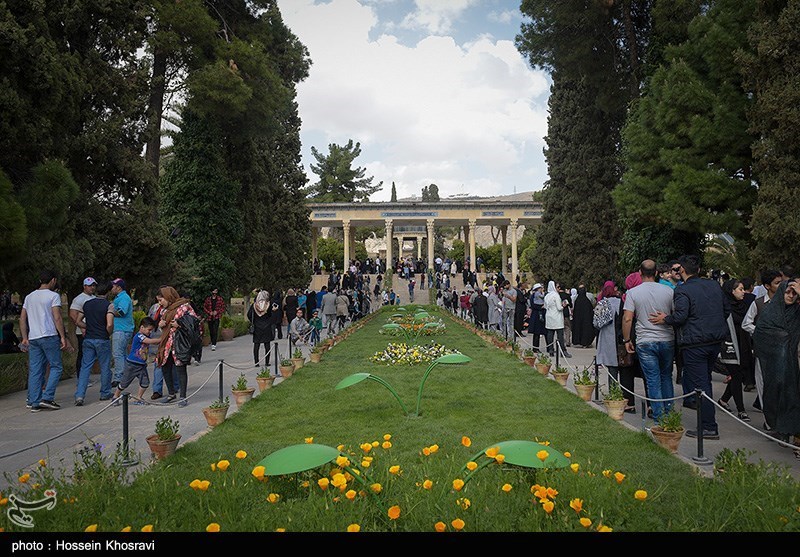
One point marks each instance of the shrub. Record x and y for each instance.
(241, 383)
(167, 428)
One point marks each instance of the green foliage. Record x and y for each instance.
(429, 193)
(770, 67)
(393, 199)
(338, 181)
(167, 428)
(331, 249)
(15, 230)
(219, 403)
(225, 321)
(138, 315)
(614, 392)
(660, 243)
(241, 326)
(287, 362)
(732, 258)
(584, 377)
(241, 383)
(671, 421)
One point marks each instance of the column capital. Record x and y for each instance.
(514, 223)
(346, 222)
(472, 223)
(430, 223)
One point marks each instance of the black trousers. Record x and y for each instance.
(213, 329)
(183, 378)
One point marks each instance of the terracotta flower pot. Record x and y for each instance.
(264, 383)
(544, 369)
(227, 333)
(315, 357)
(286, 371)
(215, 416)
(561, 378)
(667, 439)
(615, 408)
(585, 391)
(162, 449)
(243, 396)
(530, 360)
(298, 363)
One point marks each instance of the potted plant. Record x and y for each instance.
(215, 413)
(297, 359)
(561, 374)
(226, 330)
(165, 440)
(316, 354)
(264, 380)
(241, 392)
(287, 368)
(584, 383)
(614, 401)
(669, 430)
(529, 356)
(543, 364)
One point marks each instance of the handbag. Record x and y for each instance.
(624, 358)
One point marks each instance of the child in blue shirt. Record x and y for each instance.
(136, 361)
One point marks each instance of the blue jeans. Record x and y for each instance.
(95, 350)
(698, 361)
(43, 351)
(656, 361)
(119, 348)
(158, 381)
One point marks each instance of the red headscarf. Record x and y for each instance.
(632, 281)
(609, 290)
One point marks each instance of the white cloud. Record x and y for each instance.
(436, 16)
(470, 118)
(506, 16)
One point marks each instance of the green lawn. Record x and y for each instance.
(492, 399)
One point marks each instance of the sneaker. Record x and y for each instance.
(114, 384)
(196, 363)
(155, 396)
(724, 405)
(117, 401)
(183, 402)
(743, 416)
(49, 404)
(567, 355)
(707, 433)
(78, 402)
(35, 409)
(103, 398)
(28, 405)
(170, 398)
(213, 347)
(138, 402)
(90, 384)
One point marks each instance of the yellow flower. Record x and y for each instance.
(213, 467)
(126, 529)
(387, 437)
(466, 441)
(354, 528)
(548, 506)
(427, 484)
(375, 444)
(551, 493)
(567, 454)
(340, 448)
(342, 461)
(309, 440)
(585, 522)
(426, 451)
(458, 483)
(434, 448)
(273, 497)
(464, 503)
(387, 445)
(223, 465)
(366, 447)
(507, 487)
(376, 488)
(542, 455)
(457, 524)
(334, 471)
(606, 473)
(42, 463)
(3, 501)
(471, 465)
(339, 480)
(604, 528)
(395, 469)
(241, 454)
(258, 472)
(619, 476)
(147, 528)
(351, 494)
(540, 492)
(91, 528)
(501, 458)
(492, 452)
(23, 479)
(576, 504)
(280, 529)
(575, 467)
(195, 484)
(640, 494)
(440, 526)
(213, 527)
(36, 486)
(394, 512)
(203, 485)
(365, 463)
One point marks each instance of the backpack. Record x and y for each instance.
(602, 314)
(187, 340)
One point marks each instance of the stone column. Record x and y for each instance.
(346, 229)
(353, 242)
(314, 238)
(472, 259)
(431, 255)
(419, 247)
(389, 240)
(400, 247)
(504, 248)
(514, 262)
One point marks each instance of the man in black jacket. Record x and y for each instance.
(700, 316)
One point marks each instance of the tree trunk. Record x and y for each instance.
(633, 49)
(154, 110)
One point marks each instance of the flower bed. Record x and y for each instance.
(401, 353)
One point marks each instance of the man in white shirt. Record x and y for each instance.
(44, 338)
(75, 311)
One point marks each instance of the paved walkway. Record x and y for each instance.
(22, 429)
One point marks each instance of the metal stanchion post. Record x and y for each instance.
(596, 379)
(700, 458)
(128, 461)
(219, 369)
(558, 349)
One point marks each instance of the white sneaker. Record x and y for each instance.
(213, 347)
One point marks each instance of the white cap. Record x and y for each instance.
(537, 285)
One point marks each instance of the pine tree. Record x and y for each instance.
(338, 181)
(394, 193)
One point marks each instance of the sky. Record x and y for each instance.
(433, 90)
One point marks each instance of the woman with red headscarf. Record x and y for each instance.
(175, 307)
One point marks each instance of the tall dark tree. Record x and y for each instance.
(772, 70)
(393, 199)
(338, 180)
